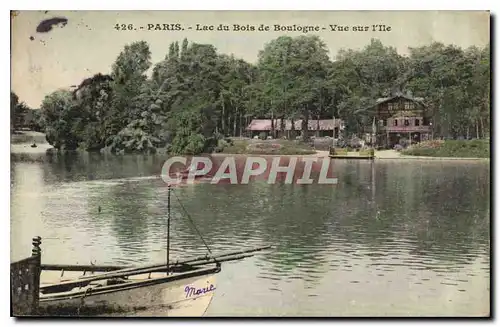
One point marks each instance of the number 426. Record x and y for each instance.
(124, 27)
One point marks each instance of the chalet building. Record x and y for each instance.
(319, 128)
(400, 117)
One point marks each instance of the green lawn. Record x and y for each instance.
(279, 147)
(451, 148)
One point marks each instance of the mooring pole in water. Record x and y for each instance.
(168, 229)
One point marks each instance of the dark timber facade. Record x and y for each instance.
(400, 117)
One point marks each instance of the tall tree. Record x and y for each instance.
(293, 72)
(362, 76)
(14, 103)
(61, 118)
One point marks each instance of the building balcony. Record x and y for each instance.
(404, 125)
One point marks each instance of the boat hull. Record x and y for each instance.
(143, 296)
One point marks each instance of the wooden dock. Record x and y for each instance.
(344, 154)
(352, 157)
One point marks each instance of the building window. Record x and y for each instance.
(426, 121)
(412, 106)
(381, 122)
(395, 122)
(407, 105)
(407, 122)
(396, 106)
(417, 122)
(389, 106)
(385, 122)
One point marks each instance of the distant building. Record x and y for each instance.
(400, 117)
(319, 128)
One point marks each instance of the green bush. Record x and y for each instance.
(450, 148)
(221, 145)
(292, 151)
(235, 147)
(283, 147)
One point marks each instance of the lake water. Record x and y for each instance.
(392, 238)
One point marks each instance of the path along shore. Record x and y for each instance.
(42, 146)
(379, 155)
(393, 154)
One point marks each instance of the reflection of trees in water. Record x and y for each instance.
(134, 214)
(426, 210)
(63, 167)
(137, 213)
(219, 211)
(307, 223)
(456, 212)
(76, 166)
(296, 228)
(128, 204)
(73, 166)
(440, 207)
(433, 210)
(236, 216)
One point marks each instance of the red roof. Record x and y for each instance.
(265, 124)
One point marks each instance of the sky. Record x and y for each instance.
(88, 44)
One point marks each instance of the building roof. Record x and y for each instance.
(407, 97)
(265, 124)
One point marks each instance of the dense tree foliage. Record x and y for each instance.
(293, 78)
(18, 112)
(195, 97)
(456, 85)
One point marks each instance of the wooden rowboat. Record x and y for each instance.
(180, 288)
(146, 294)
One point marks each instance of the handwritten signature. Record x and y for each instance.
(191, 291)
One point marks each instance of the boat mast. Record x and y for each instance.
(168, 229)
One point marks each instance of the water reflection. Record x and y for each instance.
(27, 218)
(398, 231)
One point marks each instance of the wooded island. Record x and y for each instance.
(196, 98)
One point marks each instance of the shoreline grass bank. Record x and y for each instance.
(460, 149)
(267, 147)
(430, 150)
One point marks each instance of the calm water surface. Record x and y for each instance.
(392, 238)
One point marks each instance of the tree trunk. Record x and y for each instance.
(272, 124)
(246, 124)
(317, 126)
(305, 125)
(283, 126)
(240, 126)
(482, 127)
(223, 127)
(477, 130)
(234, 121)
